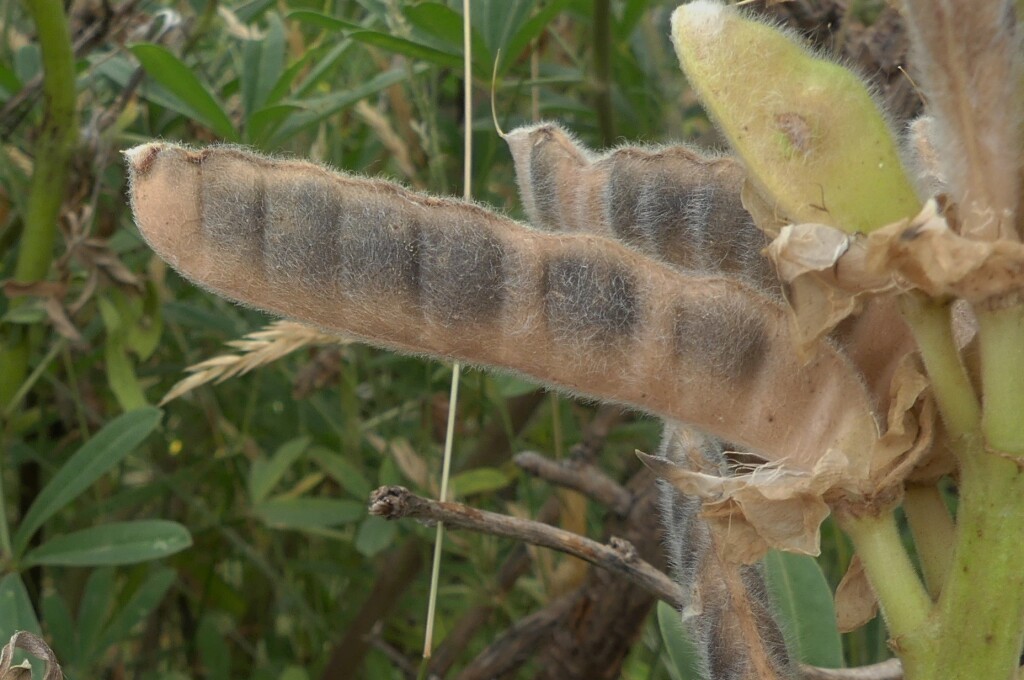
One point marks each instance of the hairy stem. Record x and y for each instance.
(934, 533)
(54, 148)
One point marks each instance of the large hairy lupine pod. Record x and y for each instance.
(442, 277)
(670, 202)
(729, 612)
(684, 208)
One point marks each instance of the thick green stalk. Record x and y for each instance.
(982, 606)
(1001, 339)
(55, 145)
(982, 603)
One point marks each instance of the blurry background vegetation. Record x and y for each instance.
(228, 538)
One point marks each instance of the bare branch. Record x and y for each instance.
(582, 477)
(395, 502)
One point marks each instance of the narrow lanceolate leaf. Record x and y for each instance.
(807, 129)
(181, 81)
(443, 277)
(309, 513)
(114, 543)
(805, 607)
(106, 449)
(16, 612)
(681, 652)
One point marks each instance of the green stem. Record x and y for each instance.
(934, 533)
(56, 143)
(982, 603)
(930, 323)
(1001, 340)
(904, 602)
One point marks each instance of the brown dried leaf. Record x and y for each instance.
(34, 645)
(42, 289)
(912, 417)
(412, 465)
(925, 253)
(922, 253)
(61, 322)
(856, 602)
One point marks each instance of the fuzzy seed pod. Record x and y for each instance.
(447, 278)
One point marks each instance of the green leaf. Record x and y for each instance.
(323, 21)
(413, 50)
(479, 480)
(309, 513)
(805, 607)
(93, 609)
(529, 30)
(321, 66)
(121, 377)
(213, 650)
(684, 663)
(107, 448)
(137, 609)
(375, 534)
(193, 98)
(343, 471)
(265, 474)
(16, 611)
(263, 122)
(263, 63)
(444, 26)
(9, 83)
(60, 628)
(142, 335)
(316, 110)
(114, 543)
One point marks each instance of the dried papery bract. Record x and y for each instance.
(442, 277)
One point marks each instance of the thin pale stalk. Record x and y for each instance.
(49, 176)
(467, 188)
(934, 533)
(904, 602)
(958, 404)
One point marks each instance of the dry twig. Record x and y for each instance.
(578, 476)
(395, 502)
